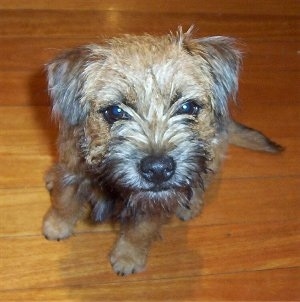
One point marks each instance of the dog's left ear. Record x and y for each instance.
(67, 75)
(223, 59)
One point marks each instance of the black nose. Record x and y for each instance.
(157, 169)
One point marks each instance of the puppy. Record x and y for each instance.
(143, 126)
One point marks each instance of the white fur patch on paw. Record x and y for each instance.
(54, 228)
(127, 259)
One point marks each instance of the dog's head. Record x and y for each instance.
(150, 108)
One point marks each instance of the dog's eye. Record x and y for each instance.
(189, 107)
(115, 113)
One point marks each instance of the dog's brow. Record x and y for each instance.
(175, 98)
(124, 100)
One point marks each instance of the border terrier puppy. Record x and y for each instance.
(143, 125)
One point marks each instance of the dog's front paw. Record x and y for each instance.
(55, 228)
(127, 259)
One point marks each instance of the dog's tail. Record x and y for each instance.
(249, 138)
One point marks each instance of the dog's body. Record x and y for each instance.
(144, 124)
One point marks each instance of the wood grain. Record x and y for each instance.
(244, 248)
(268, 285)
(256, 7)
(223, 205)
(34, 23)
(245, 244)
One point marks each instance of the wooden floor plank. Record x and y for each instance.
(227, 201)
(275, 117)
(23, 88)
(55, 24)
(33, 262)
(256, 7)
(271, 285)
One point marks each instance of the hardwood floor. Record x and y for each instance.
(246, 243)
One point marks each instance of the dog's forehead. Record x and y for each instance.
(151, 57)
(150, 71)
(143, 50)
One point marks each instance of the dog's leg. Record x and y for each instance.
(131, 250)
(66, 206)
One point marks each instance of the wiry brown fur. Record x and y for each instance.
(144, 124)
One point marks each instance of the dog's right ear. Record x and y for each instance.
(66, 83)
(223, 60)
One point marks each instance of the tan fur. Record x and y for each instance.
(246, 137)
(131, 250)
(144, 125)
(60, 219)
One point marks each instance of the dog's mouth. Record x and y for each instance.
(162, 200)
(159, 188)
(163, 191)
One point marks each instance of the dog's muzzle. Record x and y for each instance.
(157, 169)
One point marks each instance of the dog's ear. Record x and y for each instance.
(66, 82)
(223, 59)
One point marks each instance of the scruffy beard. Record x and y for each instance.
(119, 176)
(157, 203)
(128, 203)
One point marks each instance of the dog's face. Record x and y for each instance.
(150, 109)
